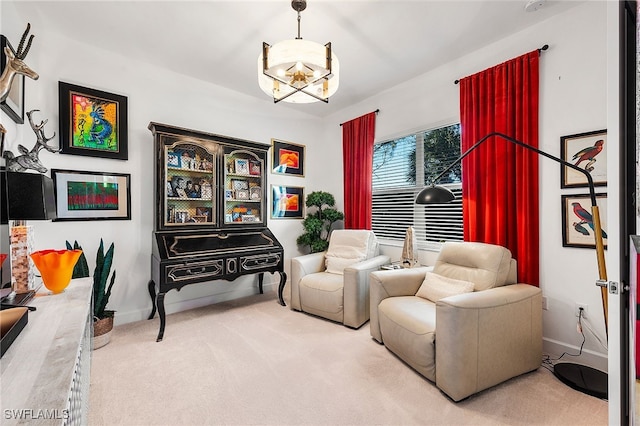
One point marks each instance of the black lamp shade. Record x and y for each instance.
(435, 195)
(27, 196)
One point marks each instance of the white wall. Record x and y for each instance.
(573, 95)
(153, 95)
(573, 100)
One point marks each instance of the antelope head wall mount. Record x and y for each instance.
(15, 65)
(30, 158)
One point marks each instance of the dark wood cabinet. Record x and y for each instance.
(210, 213)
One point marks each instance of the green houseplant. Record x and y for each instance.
(102, 317)
(321, 215)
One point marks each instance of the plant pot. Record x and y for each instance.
(102, 332)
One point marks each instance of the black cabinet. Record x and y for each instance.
(210, 213)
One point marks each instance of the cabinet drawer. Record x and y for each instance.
(259, 261)
(195, 270)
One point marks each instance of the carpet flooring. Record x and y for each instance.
(251, 361)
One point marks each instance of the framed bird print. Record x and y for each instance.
(577, 221)
(587, 151)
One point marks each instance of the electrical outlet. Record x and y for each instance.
(585, 309)
(545, 303)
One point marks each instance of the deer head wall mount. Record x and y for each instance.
(15, 65)
(30, 159)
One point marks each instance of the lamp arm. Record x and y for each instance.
(595, 212)
(592, 192)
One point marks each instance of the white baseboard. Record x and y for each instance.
(593, 359)
(234, 292)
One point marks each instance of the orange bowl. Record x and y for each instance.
(56, 267)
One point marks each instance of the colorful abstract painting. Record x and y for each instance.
(288, 202)
(92, 196)
(287, 158)
(94, 123)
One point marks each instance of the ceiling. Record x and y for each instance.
(379, 43)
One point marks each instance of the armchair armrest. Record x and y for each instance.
(301, 266)
(356, 289)
(391, 283)
(484, 338)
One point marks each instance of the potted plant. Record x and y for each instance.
(321, 215)
(102, 317)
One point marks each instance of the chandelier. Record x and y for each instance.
(298, 71)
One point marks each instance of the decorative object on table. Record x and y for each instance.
(587, 151)
(577, 221)
(287, 202)
(21, 243)
(86, 195)
(102, 317)
(298, 71)
(317, 225)
(29, 159)
(56, 267)
(569, 373)
(287, 158)
(92, 122)
(11, 65)
(39, 205)
(410, 249)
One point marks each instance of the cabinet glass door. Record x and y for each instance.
(190, 198)
(243, 188)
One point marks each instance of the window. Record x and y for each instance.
(398, 177)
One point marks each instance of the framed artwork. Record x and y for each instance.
(93, 123)
(255, 193)
(242, 166)
(84, 195)
(287, 202)
(587, 151)
(237, 184)
(242, 194)
(287, 158)
(254, 167)
(577, 222)
(13, 106)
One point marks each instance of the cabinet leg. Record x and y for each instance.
(160, 303)
(283, 280)
(152, 293)
(260, 279)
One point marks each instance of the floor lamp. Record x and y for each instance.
(580, 377)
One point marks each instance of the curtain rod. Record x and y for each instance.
(376, 111)
(545, 47)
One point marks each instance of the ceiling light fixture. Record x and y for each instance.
(298, 71)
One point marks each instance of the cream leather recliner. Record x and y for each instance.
(463, 324)
(335, 284)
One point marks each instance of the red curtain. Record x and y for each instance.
(500, 178)
(357, 155)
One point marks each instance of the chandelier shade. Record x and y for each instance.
(297, 70)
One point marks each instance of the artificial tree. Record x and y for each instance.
(321, 215)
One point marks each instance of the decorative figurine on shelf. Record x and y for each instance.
(30, 159)
(15, 65)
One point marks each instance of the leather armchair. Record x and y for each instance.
(335, 284)
(467, 342)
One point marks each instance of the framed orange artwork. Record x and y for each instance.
(287, 158)
(287, 202)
